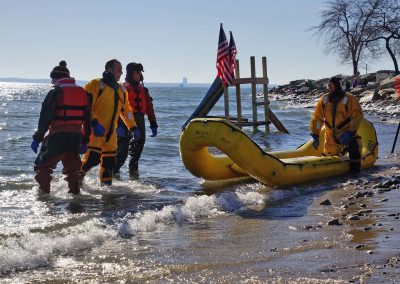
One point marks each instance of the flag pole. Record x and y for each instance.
(395, 138)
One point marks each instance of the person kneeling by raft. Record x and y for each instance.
(341, 114)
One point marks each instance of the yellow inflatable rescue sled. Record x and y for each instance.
(243, 157)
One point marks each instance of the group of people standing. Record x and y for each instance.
(104, 121)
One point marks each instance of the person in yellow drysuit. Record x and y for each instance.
(110, 101)
(341, 114)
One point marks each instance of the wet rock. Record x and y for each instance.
(359, 246)
(363, 205)
(334, 222)
(363, 212)
(363, 194)
(370, 252)
(328, 270)
(353, 217)
(326, 202)
(383, 200)
(345, 206)
(367, 229)
(382, 190)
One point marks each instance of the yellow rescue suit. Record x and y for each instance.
(106, 109)
(348, 116)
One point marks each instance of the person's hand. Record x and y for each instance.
(315, 142)
(34, 146)
(136, 133)
(98, 130)
(153, 131)
(346, 137)
(83, 149)
(120, 132)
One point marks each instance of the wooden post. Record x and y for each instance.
(238, 96)
(226, 102)
(253, 92)
(265, 91)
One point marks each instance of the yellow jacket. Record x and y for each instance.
(348, 116)
(103, 104)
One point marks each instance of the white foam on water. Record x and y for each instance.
(37, 249)
(194, 208)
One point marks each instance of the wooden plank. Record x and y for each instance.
(250, 123)
(253, 91)
(265, 91)
(250, 81)
(226, 102)
(238, 94)
(277, 122)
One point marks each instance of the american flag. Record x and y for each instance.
(232, 54)
(223, 61)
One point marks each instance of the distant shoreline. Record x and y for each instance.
(147, 84)
(82, 82)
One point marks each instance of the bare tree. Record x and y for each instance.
(385, 26)
(343, 28)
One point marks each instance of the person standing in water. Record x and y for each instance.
(142, 104)
(65, 115)
(110, 101)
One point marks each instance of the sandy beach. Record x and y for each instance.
(365, 209)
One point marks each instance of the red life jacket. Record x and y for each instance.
(70, 106)
(138, 101)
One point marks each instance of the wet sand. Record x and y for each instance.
(364, 212)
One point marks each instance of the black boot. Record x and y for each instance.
(133, 169)
(355, 168)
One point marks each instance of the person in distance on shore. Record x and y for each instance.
(142, 104)
(110, 101)
(65, 114)
(341, 114)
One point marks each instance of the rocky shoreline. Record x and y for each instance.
(366, 208)
(376, 93)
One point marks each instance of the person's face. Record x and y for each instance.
(136, 75)
(331, 87)
(116, 71)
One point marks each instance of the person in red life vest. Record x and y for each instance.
(65, 115)
(142, 104)
(110, 102)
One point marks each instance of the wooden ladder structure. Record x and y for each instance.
(269, 116)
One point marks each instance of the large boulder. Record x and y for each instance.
(388, 83)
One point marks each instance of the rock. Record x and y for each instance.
(334, 222)
(388, 83)
(359, 246)
(383, 200)
(326, 202)
(353, 217)
(363, 212)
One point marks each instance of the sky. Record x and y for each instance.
(171, 38)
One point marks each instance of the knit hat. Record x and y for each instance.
(60, 71)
